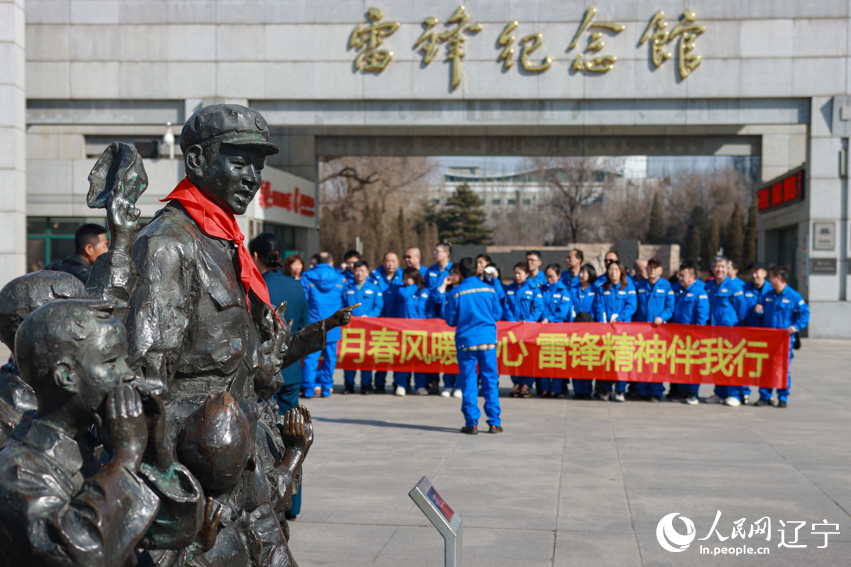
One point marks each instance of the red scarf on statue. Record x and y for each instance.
(219, 223)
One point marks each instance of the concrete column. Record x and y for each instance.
(13, 113)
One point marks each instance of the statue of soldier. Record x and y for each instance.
(200, 320)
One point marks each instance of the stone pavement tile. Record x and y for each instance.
(362, 542)
(414, 546)
(831, 479)
(594, 548)
(718, 450)
(604, 509)
(487, 509)
(508, 548)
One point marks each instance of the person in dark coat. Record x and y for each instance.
(89, 243)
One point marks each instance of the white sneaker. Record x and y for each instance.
(714, 400)
(422, 392)
(733, 402)
(400, 391)
(445, 393)
(619, 397)
(457, 393)
(746, 399)
(691, 400)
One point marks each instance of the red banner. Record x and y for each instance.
(635, 352)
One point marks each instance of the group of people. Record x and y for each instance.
(543, 294)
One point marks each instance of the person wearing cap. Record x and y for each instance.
(201, 319)
(727, 309)
(655, 305)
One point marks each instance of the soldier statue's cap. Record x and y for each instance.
(227, 123)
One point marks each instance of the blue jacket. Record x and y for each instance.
(389, 289)
(500, 289)
(434, 276)
(583, 300)
(540, 280)
(727, 304)
(284, 288)
(523, 303)
(412, 302)
(615, 301)
(787, 308)
(692, 306)
(323, 287)
(569, 280)
(653, 301)
(369, 296)
(752, 297)
(557, 303)
(473, 309)
(348, 276)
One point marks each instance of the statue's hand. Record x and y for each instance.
(212, 515)
(341, 318)
(122, 218)
(293, 431)
(125, 432)
(157, 452)
(308, 426)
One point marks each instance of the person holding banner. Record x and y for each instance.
(727, 307)
(557, 309)
(473, 309)
(692, 308)
(582, 297)
(413, 298)
(754, 290)
(615, 302)
(371, 300)
(654, 305)
(388, 278)
(523, 302)
(781, 308)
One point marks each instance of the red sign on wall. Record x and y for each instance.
(294, 201)
(781, 191)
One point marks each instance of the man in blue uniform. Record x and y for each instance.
(371, 302)
(414, 259)
(782, 308)
(536, 276)
(473, 309)
(323, 287)
(753, 290)
(655, 306)
(727, 309)
(692, 308)
(433, 278)
(570, 277)
(388, 278)
(350, 258)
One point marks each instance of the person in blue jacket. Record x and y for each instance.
(264, 249)
(323, 287)
(727, 308)
(523, 302)
(654, 305)
(570, 277)
(491, 276)
(359, 290)
(583, 296)
(615, 302)
(388, 278)
(350, 258)
(434, 276)
(782, 308)
(537, 277)
(451, 386)
(473, 309)
(413, 299)
(610, 258)
(753, 290)
(557, 309)
(692, 308)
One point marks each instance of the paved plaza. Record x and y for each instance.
(582, 483)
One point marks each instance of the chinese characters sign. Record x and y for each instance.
(661, 35)
(606, 351)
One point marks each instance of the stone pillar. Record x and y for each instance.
(13, 112)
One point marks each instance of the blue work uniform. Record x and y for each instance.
(727, 308)
(438, 299)
(323, 286)
(752, 318)
(389, 291)
(653, 301)
(372, 301)
(780, 311)
(692, 308)
(569, 280)
(583, 302)
(523, 302)
(557, 309)
(412, 305)
(538, 280)
(348, 276)
(473, 308)
(284, 288)
(433, 277)
(614, 304)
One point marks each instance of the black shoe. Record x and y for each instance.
(348, 389)
(434, 388)
(762, 402)
(290, 517)
(365, 390)
(379, 390)
(781, 404)
(470, 430)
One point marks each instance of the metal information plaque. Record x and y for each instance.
(442, 517)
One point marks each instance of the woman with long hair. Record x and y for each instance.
(293, 266)
(616, 302)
